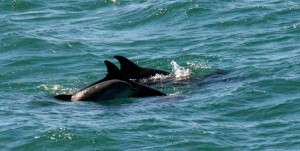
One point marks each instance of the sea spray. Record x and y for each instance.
(180, 72)
(198, 65)
(55, 88)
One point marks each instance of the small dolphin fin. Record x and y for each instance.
(133, 71)
(113, 72)
(64, 97)
(128, 67)
(126, 63)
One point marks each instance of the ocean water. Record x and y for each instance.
(52, 47)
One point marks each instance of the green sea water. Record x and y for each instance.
(52, 47)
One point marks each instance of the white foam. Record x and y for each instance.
(198, 65)
(175, 94)
(54, 88)
(159, 77)
(180, 72)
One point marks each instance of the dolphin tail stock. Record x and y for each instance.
(142, 91)
(64, 97)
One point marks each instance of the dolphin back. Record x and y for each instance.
(133, 71)
(140, 90)
(106, 90)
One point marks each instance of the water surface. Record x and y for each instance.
(51, 47)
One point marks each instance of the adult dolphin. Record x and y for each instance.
(133, 71)
(113, 85)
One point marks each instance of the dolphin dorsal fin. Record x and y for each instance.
(127, 66)
(113, 72)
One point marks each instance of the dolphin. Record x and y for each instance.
(140, 90)
(142, 74)
(133, 71)
(114, 84)
(103, 91)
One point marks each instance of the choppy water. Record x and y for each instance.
(50, 47)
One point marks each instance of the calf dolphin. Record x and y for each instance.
(113, 85)
(133, 71)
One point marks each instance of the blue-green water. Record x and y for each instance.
(51, 47)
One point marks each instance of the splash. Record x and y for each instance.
(175, 94)
(159, 77)
(156, 78)
(198, 65)
(179, 72)
(54, 88)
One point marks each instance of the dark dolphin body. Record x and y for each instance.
(113, 85)
(140, 90)
(142, 75)
(133, 71)
(102, 91)
(106, 90)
